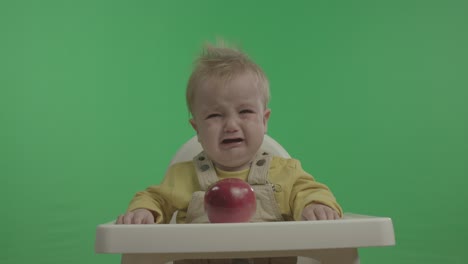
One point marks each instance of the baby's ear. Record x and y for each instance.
(194, 124)
(266, 116)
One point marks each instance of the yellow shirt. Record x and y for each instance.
(294, 189)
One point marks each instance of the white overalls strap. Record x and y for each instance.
(205, 170)
(259, 168)
(267, 207)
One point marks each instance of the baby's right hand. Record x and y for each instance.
(137, 216)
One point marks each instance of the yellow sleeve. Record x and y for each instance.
(173, 193)
(306, 191)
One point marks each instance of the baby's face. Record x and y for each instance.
(230, 121)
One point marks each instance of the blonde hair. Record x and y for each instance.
(224, 63)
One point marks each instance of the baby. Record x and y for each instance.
(227, 96)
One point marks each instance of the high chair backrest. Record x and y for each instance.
(192, 147)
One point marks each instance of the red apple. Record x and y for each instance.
(230, 200)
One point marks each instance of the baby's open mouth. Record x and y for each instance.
(232, 140)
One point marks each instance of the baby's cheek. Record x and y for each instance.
(254, 118)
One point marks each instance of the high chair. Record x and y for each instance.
(326, 242)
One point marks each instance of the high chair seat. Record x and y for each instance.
(327, 242)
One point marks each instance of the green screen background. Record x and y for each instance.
(370, 96)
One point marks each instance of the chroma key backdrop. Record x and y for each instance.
(371, 96)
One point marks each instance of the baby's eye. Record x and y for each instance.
(246, 111)
(212, 116)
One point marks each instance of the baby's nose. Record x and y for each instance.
(231, 125)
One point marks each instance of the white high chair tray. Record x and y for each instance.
(172, 241)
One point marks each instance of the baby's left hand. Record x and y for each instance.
(319, 212)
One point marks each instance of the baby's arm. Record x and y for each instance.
(137, 216)
(158, 203)
(312, 200)
(148, 207)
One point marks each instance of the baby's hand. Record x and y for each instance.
(319, 212)
(137, 216)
